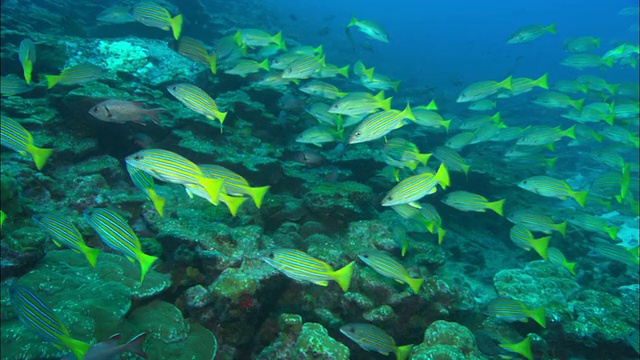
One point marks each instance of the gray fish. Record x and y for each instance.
(122, 111)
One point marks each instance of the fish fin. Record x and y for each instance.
(415, 205)
(152, 114)
(402, 351)
(344, 71)
(232, 202)
(442, 176)
(405, 246)
(608, 62)
(432, 105)
(212, 60)
(158, 201)
(386, 104)
(213, 188)
(369, 73)
(578, 104)
(441, 233)
(353, 22)
(91, 254)
(176, 26)
(407, 113)
(52, 80)
(257, 194)
(27, 68)
(77, 347)
(612, 231)
(395, 85)
(562, 228)
(571, 267)
(496, 206)
(343, 276)
(551, 28)
(277, 38)
(135, 345)
(145, 263)
(541, 82)
(506, 83)
(221, 116)
(423, 158)
(264, 64)
(412, 165)
(540, 246)
(580, 197)
(414, 284)
(40, 155)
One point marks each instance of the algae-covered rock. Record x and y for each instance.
(162, 320)
(340, 202)
(447, 340)
(200, 343)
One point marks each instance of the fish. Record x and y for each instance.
(234, 184)
(452, 159)
(39, 318)
(258, 38)
(233, 202)
(170, 167)
(426, 215)
(110, 349)
(380, 124)
(511, 310)
(154, 15)
(595, 224)
(570, 86)
(597, 83)
(310, 158)
(197, 100)
(522, 237)
(620, 135)
(372, 338)
(78, 74)
(244, 67)
(114, 232)
(370, 28)
(581, 44)
(301, 266)
(12, 85)
(583, 61)
(476, 122)
(387, 266)
(360, 70)
(557, 258)
(122, 111)
(400, 235)
(320, 111)
(459, 140)
(355, 104)
(521, 348)
(529, 33)
(523, 85)
(556, 100)
(331, 71)
(379, 82)
(282, 61)
(320, 134)
(144, 182)
(227, 50)
(116, 14)
(15, 137)
(482, 89)
(425, 116)
(615, 252)
(322, 89)
(304, 67)
(416, 187)
(483, 105)
(195, 50)
(27, 57)
(466, 201)
(62, 232)
(551, 187)
(404, 154)
(545, 135)
(536, 221)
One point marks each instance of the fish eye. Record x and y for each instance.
(524, 182)
(95, 109)
(137, 157)
(357, 133)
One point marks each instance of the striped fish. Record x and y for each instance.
(536, 221)
(478, 121)
(380, 124)
(152, 14)
(459, 140)
(78, 74)
(304, 67)
(522, 237)
(62, 232)
(544, 135)
(258, 38)
(244, 67)
(400, 236)
(372, 338)
(617, 253)
(322, 89)
(12, 85)
(195, 50)
(232, 202)
(144, 182)
(595, 224)
(451, 158)
(234, 184)
(320, 134)
(550, 187)
(330, 71)
(197, 100)
(356, 104)
(228, 50)
(387, 266)
(522, 348)
(510, 310)
(404, 153)
(426, 215)
(303, 267)
(416, 187)
(557, 258)
(119, 236)
(283, 61)
(27, 57)
(168, 166)
(466, 201)
(620, 135)
(35, 315)
(360, 70)
(17, 138)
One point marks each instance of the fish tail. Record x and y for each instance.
(442, 176)
(571, 267)
(27, 67)
(551, 162)
(402, 351)
(77, 347)
(145, 263)
(369, 73)
(221, 115)
(343, 276)
(570, 132)
(496, 206)
(432, 105)
(257, 194)
(212, 187)
(395, 85)
(612, 231)
(91, 254)
(238, 38)
(52, 80)
(541, 82)
(318, 49)
(135, 345)
(562, 228)
(386, 104)
(344, 71)
(158, 201)
(611, 88)
(405, 246)
(596, 42)
(609, 119)
(423, 158)
(341, 94)
(446, 124)
(550, 146)
(407, 113)
(608, 62)
(506, 83)
(412, 165)
(152, 114)
(232, 202)
(176, 26)
(40, 155)
(541, 245)
(277, 38)
(353, 22)
(538, 315)
(497, 118)
(441, 233)
(415, 284)
(264, 64)
(551, 28)
(580, 197)
(577, 104)
(634, 140)
(213, 62)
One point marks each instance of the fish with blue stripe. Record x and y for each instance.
(152, 14)
(234, 184)
(15, 137)
(380, 124)
(387, 266)
(39, 318)
(556, 257)
(301, 266)
(304, 67)
(12, 85)
(232, 202)
(511, 310)
(144, 182)
(550, 187)
(170, 167)
(403, 153)
(119, 236)
(536, 221)
(466, 201)
(372, 338)
(195, 50)
(197, 100)
(522, 237)
(62, 232)
(426, 215)
(416, 187)
(78, 74)
(27, 57)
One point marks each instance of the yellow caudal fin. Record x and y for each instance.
(405, 246)
(580, 197)
(368, 73)
(353, 22)
(570, 132)
(414, 284)
(446, 124)
(465, 169)
(402, 352)
(441, 233)
(344, 71)
(40, 155)
(395, 84)
(257, 194)
(343, 276)
(562, 228)
(407, 113)
(52, 80)
(158, 201)
(77, 347)
(612, 231)
(551, 28)
(577, 104)
(27, 68)
(176, 26)
(538, 315)
(91, 254)
(541, 82)
(220, 116)
(145, 263)
(551, 162)
(213, 62)
(431, 106)
(571, 267)
(523, 348)
(608, 62)
(423, 158)
(496, 206)
(506, 83)
(212, 187)
(442, 176)
(277, 39)
(264, 64)
(496, 118)
(540, 246)
(232, 202)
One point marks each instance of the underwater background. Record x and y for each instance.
(330, 179)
